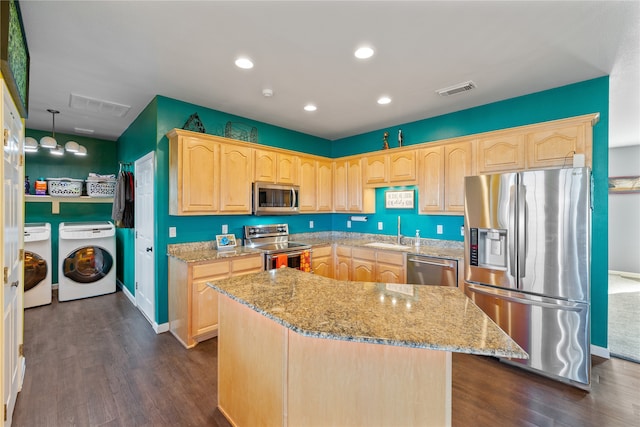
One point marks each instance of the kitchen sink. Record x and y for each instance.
(386, 245)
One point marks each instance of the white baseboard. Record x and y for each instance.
(625, 274)
(158, 329)
(600, 351)
(164, 327)
(127, 293)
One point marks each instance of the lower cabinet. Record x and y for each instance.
(322, 261)
(370, 265)
(193, 306)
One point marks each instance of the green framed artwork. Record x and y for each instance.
(14, 54)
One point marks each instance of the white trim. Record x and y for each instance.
(600, 351)
(126, 292)
(625, 274)
(161, 328)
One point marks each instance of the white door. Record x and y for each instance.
(144, 230)
(12, 236)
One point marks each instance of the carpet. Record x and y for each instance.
(624, 325)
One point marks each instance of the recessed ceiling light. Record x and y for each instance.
(244, 63)
(383, 100)
(310, 107)
(363, 52)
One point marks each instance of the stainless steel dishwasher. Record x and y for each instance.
(427, 270)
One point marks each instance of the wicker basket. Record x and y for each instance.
(64, 187)
(105, 188)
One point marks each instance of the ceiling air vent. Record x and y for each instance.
(460, 87)
(99, 106)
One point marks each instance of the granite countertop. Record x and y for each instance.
(432, 317)
(206, 251)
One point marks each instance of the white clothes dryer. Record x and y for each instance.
(37, 264)
(86, 260)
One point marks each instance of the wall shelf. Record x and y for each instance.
(55, 201)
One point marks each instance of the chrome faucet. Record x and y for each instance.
(399, 235)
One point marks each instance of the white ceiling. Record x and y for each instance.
(128, 51)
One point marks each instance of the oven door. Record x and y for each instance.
(300, 260)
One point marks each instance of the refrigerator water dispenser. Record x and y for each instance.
(489, 248)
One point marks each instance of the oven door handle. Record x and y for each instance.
(290, 254)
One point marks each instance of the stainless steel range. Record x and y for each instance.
(279, 252)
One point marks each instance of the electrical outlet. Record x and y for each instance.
(225, 229)
(380, 225)
(439, 229)
(348, 224)
(172, 232)
(462, 230)
(310, 224)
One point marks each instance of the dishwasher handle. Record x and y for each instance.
(432, 261)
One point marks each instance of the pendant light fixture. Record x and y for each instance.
(50, 141)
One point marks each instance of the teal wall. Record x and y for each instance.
(138, 140)
(587, 97)
(101, 158)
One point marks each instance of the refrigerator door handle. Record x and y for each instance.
(566, 306)
(512, 226)
(522, 231)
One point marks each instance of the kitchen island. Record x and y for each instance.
(296, 349)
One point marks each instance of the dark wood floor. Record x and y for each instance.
(97, 362)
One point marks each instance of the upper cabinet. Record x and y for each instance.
(273, 166)
(193, 175)
(501, 154)
(208, 175)
(390, 168)
(555, 146)
(213, 175)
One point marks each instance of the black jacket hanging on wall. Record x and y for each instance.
(123, 201)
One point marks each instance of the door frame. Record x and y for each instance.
(139, 207)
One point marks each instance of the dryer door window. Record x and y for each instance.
(88, 264)
(35, 270)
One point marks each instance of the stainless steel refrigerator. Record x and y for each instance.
(527, 264)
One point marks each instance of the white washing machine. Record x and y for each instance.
(86, 260)
(37, 264)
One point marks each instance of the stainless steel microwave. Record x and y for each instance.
(275, 199)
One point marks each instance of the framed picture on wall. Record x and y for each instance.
(624, 184)
(14, 54)
(398, 199)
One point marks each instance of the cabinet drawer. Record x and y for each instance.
(360, 253)
(218, 268)
(321, 251)
(246, 264)
(389, 257)
(344, 251)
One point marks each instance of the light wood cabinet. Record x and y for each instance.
(555, 146)
(458, 163)
(402, 167)
(322, 261)
(276, 167)
(193, 175)
(235, 179)
(391, 267)
(431, 179)
(343, 263)
(390, 168)
(308, 185)
(363, 265)
(501, 154)
(349, 193)
(376, 169)
(324, 193)
(193, 306)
